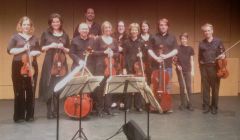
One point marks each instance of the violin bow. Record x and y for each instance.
(141, 61)
(235, 44)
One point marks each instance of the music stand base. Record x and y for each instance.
(79, 135)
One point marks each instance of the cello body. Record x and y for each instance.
(72, 106)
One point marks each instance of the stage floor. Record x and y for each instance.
(179, 125)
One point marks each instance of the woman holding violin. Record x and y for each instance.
(210, 51)
(55, 43)
(145, 36)
(105, 53)
(133, 48)
(24, 47)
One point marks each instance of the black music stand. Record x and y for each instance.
(128, 84)
(78, 86)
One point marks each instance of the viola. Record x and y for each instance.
(58, 68)
(109, 66)
(160, 80)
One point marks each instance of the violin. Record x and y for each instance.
(59, 58)
(222, 71)
(27, 69)
(139, 66)
(160, 80)
(109, 65)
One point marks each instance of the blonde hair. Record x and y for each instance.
(134, 25)
(207, 25)
(104, 24)
(20, 22)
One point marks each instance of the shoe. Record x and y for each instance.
(170, 111)
(181, 107)
(139, 110)
(29, 119)
(206, 110)
(99, 114)
(19, 121)
(190, 108)
(214, 111)
(114, 105)
(50, 116)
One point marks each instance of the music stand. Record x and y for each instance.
(129, 84)
(78, 86)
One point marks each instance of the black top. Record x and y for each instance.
(99, 47)
(17, 41)
(208, 51)
(184, 57)
(169, 42)
(78, 47)
(130, 52)
(94, 30)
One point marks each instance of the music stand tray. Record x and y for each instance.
(78, 86)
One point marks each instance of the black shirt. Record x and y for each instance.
(130, 51)
(78, 47)
(208, 51)
(94, 30)
(17, 41)
(184, 57)
(169, 42)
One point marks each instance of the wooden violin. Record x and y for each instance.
(139, 66)
(59, 58)
(27, 69)
(109, 65)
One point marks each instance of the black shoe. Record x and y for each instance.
(206, 110)
(19, 121)
(181, 107)
(100, 114)
(29, 119)
(190, 108)
(214, 111)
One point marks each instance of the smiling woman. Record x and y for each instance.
(24, 47)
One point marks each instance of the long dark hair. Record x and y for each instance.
(50, 20)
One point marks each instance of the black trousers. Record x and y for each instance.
(102, 102)
(188, 80)
(23, 93)
(210, 82)
(138, 100)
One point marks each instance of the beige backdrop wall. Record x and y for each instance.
(184, 16)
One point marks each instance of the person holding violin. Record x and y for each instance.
(24, 47)
(163, 38)
(120, 35)
(210, 49)
(145, 37)
(55, 43)
(185, 71)
(79, 45)
(105, 53)
(133, 48)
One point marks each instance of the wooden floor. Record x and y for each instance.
(179, 125)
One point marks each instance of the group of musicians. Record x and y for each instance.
(124, 47)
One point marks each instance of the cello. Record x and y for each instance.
(72, 104)
(160, 80)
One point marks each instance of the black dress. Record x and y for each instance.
(24, 93)
(99, 47)
(48, 81)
